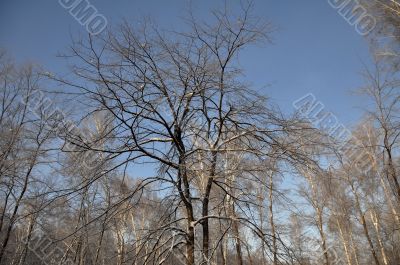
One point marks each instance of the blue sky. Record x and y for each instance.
(315, 50)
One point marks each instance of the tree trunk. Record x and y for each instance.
(354, 247)
(322, 234)
(24, 253)
(375, 221)
(206, 199)
(365, 228)
(391, 170)
(271, 218)
(345, 246)
(236, 233)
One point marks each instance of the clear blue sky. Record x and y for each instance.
(314, 50)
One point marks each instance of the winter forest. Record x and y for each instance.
(154, 148)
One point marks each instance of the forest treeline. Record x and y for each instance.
(233, 180)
